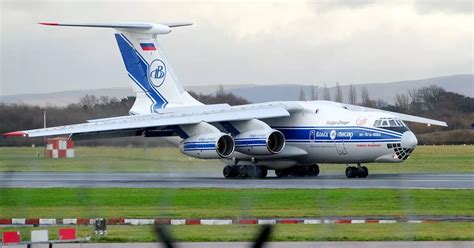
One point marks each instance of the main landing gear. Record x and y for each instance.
(359, 171)
(245, 171)
(299, 171)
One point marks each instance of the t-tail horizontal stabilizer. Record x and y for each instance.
(136, 27)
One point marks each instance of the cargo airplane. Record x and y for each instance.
(289, 137)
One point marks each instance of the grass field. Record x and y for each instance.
(231, 203)
(234, 203)
(425, 159)
(299, 232)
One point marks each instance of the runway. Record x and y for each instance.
(206, 180)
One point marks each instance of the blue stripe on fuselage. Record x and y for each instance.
(343, 134)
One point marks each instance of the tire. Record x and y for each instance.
(230, 171)
(351, 172)
(298, 171)
(227, 171)
(243, 171)
(263, 172)
(363, 172)
(312, 170)
(281, 173)
(253, 171)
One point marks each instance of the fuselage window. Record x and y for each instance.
(316, 111)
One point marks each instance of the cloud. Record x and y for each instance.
(442, 6)
(235, 43)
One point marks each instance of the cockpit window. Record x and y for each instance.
(393, 124)
(389, 122)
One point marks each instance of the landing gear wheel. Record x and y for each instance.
(312, 170)
(351, 172)
(362, 172)
(243, 171)
(299, 171)
(282, 173)
(263, 172)
(230, 171)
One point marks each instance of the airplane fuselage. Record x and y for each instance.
(324, 133)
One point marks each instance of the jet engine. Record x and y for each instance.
(208, 146)
(260, 142)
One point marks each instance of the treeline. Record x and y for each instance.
(23, 117)
(219, 97)
(435, 102)
(430, 102)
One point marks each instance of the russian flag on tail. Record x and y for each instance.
(148, 46)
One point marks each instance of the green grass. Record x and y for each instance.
(231, 203)
(425, 159)
(298, 232)
(103, 159)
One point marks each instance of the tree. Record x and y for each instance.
(402, 101)
(88, 101)
(364, 94)
(219, 97)
(352, 94)
(338, 93)
(314, 93)
(326, 95)
(302, 96)
(220, 90)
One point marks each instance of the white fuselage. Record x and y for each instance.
(326, 133)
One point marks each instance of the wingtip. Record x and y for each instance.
(15, 134)
(49, 23)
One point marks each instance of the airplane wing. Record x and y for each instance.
(404, 117)
(136, 125)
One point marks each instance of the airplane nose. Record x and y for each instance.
(409, 140)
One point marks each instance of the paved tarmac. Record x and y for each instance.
(357, 244)
(193, 180)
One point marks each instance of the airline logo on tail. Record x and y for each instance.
(157, 72)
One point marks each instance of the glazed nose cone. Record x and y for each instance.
(409, 140)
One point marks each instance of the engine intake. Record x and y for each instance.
(260, 142)
(208, 146)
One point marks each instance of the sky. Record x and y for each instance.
(239, 42)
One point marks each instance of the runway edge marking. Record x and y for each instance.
(217, 221)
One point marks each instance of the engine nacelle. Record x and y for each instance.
(208, 146)
(260, 142)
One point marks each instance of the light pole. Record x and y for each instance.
(44, 138)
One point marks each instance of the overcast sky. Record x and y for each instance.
(270, 42)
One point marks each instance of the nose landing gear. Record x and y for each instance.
(359, 171)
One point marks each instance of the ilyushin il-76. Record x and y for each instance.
(289, 137)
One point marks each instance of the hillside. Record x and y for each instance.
(462, 84)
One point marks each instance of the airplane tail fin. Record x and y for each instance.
(154, 83)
